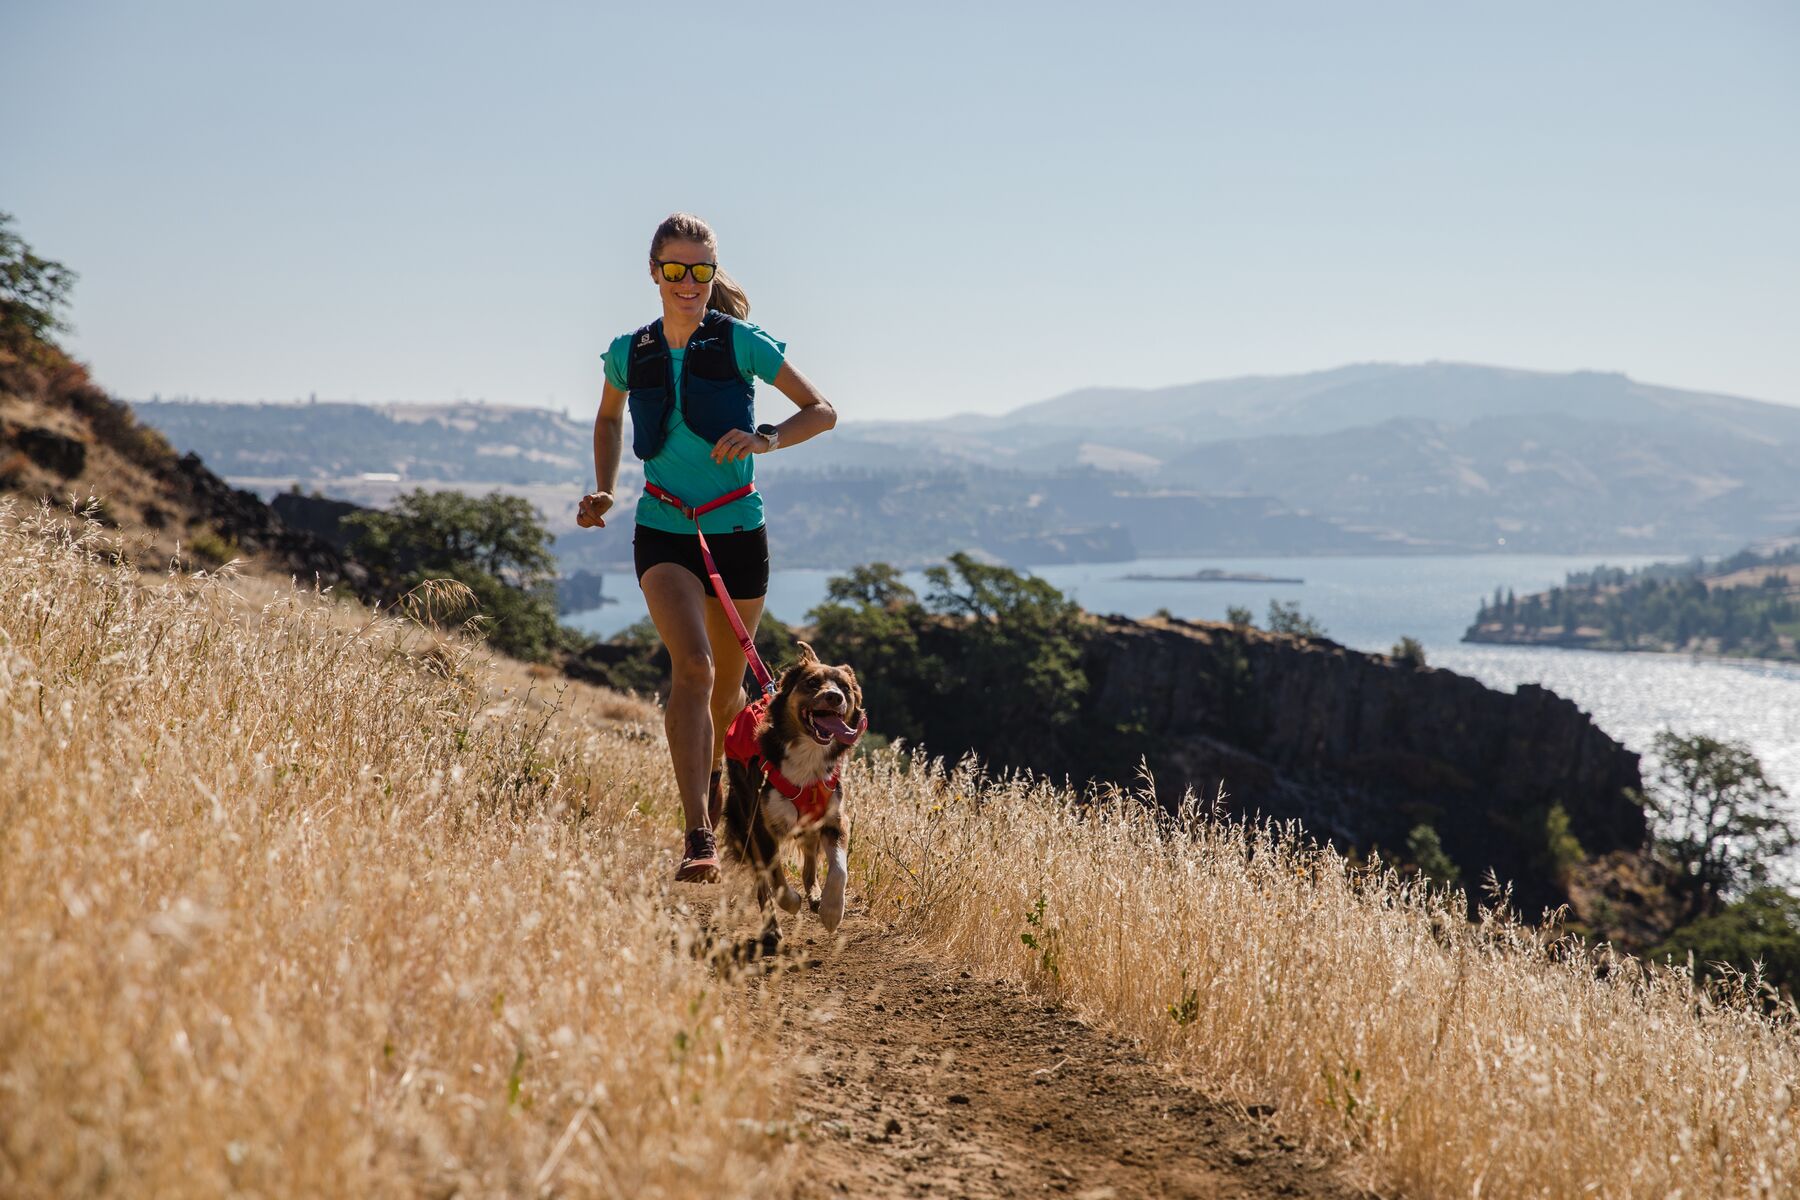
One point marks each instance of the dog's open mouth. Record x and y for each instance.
(827, 725)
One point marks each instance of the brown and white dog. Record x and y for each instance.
(783, 756)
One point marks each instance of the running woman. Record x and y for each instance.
(688, 380)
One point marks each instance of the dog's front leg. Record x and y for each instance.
(779, 887)
(837, 874)
(809, 864)
(771, 876)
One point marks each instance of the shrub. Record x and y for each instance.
(1426, 851)
(1409, 653)
(1288, 619)
(1760, 931)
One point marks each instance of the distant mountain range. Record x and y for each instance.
(1369, 458)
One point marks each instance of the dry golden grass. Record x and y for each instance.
(305, 902)
(1453, 1060)
(291, 908)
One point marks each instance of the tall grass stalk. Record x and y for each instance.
(1450, 1059)
(289, 911)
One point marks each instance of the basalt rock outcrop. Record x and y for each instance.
(1363, 749)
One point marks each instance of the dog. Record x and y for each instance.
(783, 756)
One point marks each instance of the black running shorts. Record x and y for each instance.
(742, 558)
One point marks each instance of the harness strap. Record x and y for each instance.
(763, 678)
(812, 800)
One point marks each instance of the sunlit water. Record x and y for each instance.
(1370, 603)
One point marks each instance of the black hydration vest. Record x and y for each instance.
(715, 399)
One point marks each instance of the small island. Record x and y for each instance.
(1211, 575)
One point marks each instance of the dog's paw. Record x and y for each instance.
(789, 900)
(831, 902)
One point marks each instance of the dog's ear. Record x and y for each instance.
(806, 653)
(850, 678)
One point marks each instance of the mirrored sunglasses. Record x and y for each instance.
(675, 272)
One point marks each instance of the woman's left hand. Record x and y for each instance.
(739, 443)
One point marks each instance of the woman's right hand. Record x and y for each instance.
(592, 509)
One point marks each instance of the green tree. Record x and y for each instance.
(1719, 816)
(872, 620)
(1019, 661)
(1408, 652)
(989, 660)
(1287, 618)
(496, 545)
(1240, 616)
(34, 291)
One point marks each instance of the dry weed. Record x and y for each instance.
(289, 911)
(1454, 1060)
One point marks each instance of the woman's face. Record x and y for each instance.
(684, 297)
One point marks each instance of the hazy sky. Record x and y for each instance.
(940, 207)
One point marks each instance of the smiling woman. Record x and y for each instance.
(689, 382)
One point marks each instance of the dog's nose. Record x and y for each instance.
(829, 697)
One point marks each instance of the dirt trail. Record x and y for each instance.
(921, 1080)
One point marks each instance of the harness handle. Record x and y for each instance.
(763, 678)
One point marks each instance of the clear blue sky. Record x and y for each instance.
(941, 207)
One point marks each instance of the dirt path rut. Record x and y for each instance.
(921, 1080)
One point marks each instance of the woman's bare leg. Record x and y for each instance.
(728, 664)
(678, 609)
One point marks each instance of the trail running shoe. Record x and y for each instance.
(700, 863)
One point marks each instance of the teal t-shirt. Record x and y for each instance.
(684, 465)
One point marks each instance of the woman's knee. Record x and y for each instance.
(692, 672)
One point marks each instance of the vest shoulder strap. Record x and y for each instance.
(648, 365)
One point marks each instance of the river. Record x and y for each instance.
(1370, 603)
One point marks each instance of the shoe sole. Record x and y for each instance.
(698, 872)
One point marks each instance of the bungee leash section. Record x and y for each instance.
(763, 678)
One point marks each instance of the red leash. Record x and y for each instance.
(712, 570)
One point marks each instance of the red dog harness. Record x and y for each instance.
(742, 746)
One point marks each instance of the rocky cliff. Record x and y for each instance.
(1363, 749)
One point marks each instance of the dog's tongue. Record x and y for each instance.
(833, 726)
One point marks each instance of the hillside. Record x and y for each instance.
(1533, 483)
(1373, 458)
(63, 440)
(1373, 393)
(362, 916)
(334, 440)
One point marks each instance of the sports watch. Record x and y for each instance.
(772, 433)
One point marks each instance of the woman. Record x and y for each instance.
(688, 380)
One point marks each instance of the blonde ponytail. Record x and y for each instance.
(727, 296)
